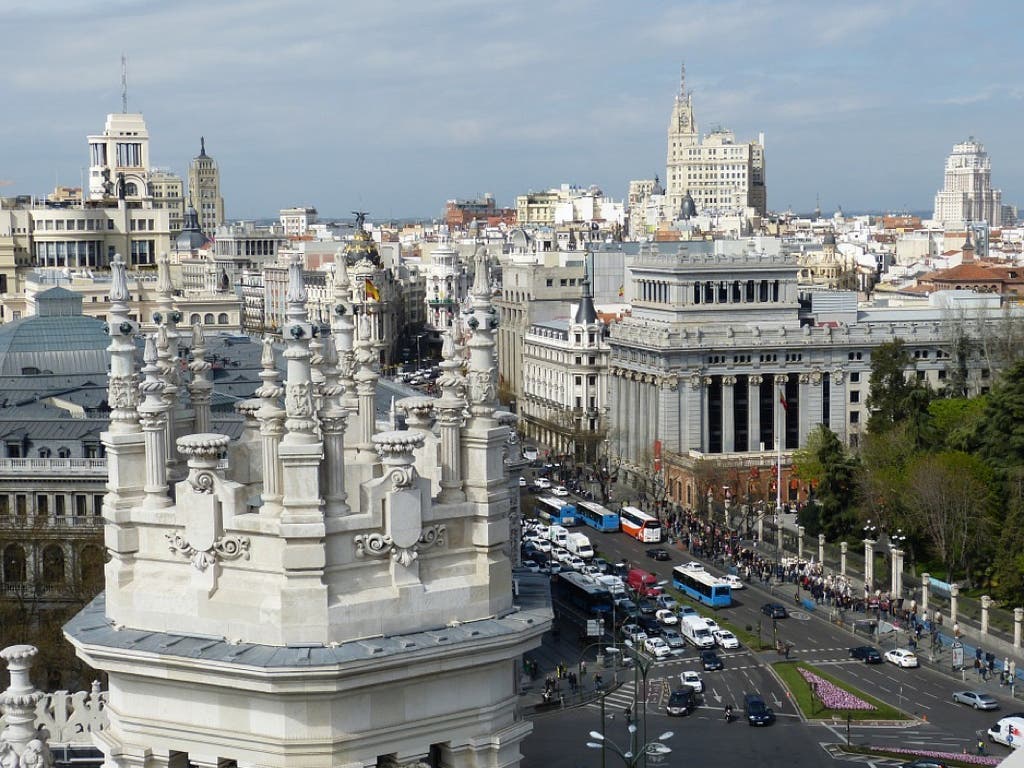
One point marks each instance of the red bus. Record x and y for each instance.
(640, 525)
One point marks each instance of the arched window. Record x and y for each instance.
(14, 564)
(222, 318)
(53, 565)
(193, 318)
(44, 453)
(130, 189)
(63, 452)
(208, 319)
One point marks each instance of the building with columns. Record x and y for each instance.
(724, 357)
(301, 596)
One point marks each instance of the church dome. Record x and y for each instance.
(58, 339)
(191, 237)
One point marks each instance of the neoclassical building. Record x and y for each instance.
(723, 355)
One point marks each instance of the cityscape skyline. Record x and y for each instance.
(396, 109)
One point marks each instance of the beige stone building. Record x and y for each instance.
(204, 189)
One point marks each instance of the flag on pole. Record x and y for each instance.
(622, 290)
(782, 399)
(371, 290)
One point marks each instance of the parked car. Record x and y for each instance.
(687, 610)
(925, 762)
(867, 654)
(726, 640)
(711, 624)
(647, 606)
(901, 657)
(693, 679)
(774, 610)
(658, 553)
(975, 699)
(560, 490)
(757, 712)
(710, 661)
(634, 634)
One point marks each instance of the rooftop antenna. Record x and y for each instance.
(124, 84)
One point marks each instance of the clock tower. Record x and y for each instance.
(682, 134)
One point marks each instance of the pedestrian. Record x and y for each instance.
(628, 712)
(981, 746)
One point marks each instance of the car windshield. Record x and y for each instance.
(755, 707)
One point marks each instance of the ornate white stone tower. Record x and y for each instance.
(324, 611)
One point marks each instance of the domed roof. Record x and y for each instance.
(688, 208)
(362, 248)
(191, 237)
(59, 339)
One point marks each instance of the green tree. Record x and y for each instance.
(1000, 432)
(826, 464)
(881, 476)
(893, 398)
(955, 420)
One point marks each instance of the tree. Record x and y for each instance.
(826, 464)
(950, 495)
(955, 420)
(1000, 433)
(881, 476)
(892, 397)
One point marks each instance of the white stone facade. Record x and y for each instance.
(308, 601)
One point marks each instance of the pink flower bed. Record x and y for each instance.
(832, 696)
(961, 758)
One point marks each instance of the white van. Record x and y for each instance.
(696, 632)
(1008, 731)
(612, 583)
(579, 544)
(558, 535)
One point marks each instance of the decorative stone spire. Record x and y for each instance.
(343, 331)
(298, 394)
(271, 419)
(167, 319)
(480, 375)
(123, 393)
(451, 407)
(19, 700)
(200, 389)
(153, 415)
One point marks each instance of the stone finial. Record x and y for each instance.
(395, 449)
(296, 293)
(204, 452)
(481, 284)
(119, 281)
(19, 700)
(164, 286)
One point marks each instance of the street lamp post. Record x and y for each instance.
(631, 757)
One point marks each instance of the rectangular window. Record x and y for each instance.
(97, 504)
(854, 417)
(60, 504)
(855, 396)
(854, 376)
(579, 380)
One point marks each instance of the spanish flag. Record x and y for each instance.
(622, 290)
(370, 290)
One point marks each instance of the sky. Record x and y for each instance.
(396, 106)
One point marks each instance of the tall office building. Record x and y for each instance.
(967, 193)
(204, 189)
(716, 172)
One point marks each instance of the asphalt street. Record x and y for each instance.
(924, 693)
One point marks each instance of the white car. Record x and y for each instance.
(522, 482)
(542, 482)
(692, 679)
(734, 582)
(901, 657)
(542, 546)
(657, 647)
(726, 639)
(560, 490)
(712, 625)
(693, 565)
(666, 617)
(576, 563)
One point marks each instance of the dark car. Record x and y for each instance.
(710, 661)
(867, 654)
(924, 762)
(657, 553)
(682, 701)
(757, 712)
(647, 606)
(775, 610)
(649, 625)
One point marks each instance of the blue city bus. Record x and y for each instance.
(556, 512)
(597, 516)
(582, 593)
(702, 586)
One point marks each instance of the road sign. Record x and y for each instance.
(958, 653)
(595, 627)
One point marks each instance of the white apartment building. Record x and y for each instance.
(119, 159)
(720, 174)
(967, 193)
(296, 221)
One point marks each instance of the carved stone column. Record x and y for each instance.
(821, 548)
(152, 415)
(450, 409)
(1018, 621)
(800, 530)
(954, 600)
(19, 701)
(754, 412)
(869, 565)
(926, 582)
(843, 549)
(200, 389)
(333, 420)
(986, 605)
(271, 418)
(728, 414)
(781, 380)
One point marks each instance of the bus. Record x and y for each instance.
(702, 586)
(582, 593)
(640, 525)
(555, 511)
(597, 517)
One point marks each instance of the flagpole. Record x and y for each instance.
(778, 467)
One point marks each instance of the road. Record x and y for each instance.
(923, 693)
